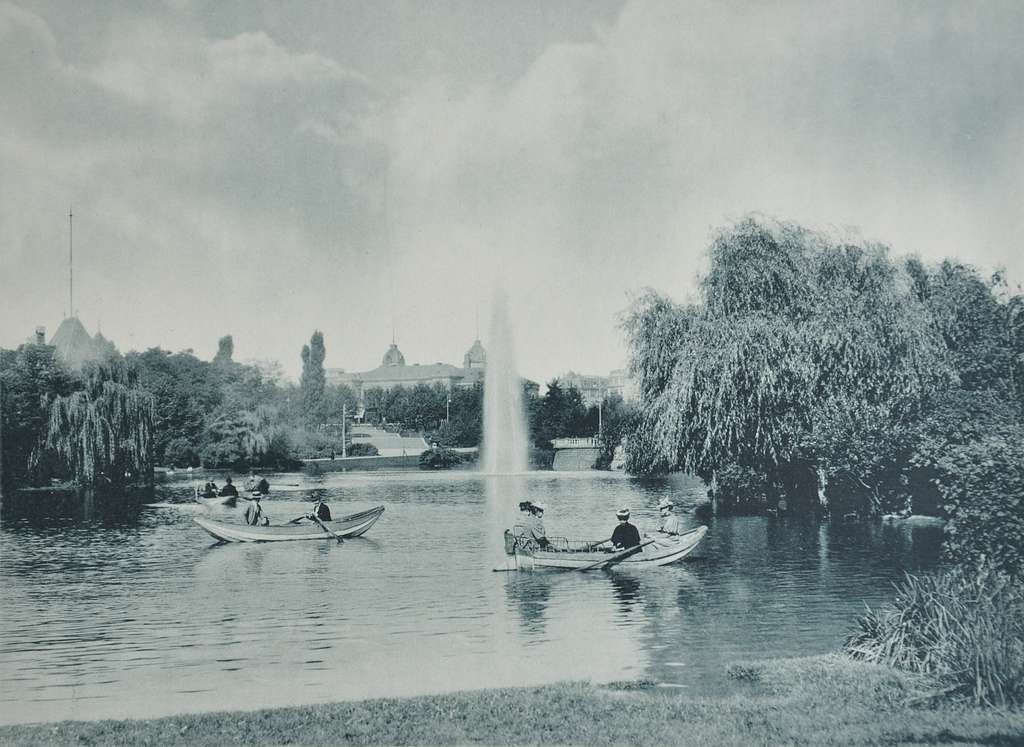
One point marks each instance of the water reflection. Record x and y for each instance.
(129, 611)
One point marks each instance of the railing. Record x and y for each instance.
(575, 442)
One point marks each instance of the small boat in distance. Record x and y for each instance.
(578, 555)
(217, 501)
(352, 525)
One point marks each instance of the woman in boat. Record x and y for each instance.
(670, 523)
(534, 526)
(263, 487)
(209, 490)
(250, 484)
(254, 515)
(625, 535)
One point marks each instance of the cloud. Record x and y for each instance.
(606, 165)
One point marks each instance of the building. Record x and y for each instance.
(393, 371)
(621, 383)
(594, 389)
(76, 347)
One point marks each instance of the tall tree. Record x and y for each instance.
(800, 340)
(104, 432)
(32, 375)
(225, 349)
(313, 377)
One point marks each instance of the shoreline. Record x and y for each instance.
(814, 700)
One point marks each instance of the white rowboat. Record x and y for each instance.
(663, 550)
(347, 526)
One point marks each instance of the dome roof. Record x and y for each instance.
(476, 356)
(393, 357)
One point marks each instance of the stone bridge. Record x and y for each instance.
(575, 454)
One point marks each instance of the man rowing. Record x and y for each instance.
(320, 510)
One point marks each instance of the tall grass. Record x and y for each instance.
(964, 628)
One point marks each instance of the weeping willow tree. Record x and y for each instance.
(103, 432)
(236, 438)
(799, 344)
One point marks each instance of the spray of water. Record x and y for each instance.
(505, 436)
(504, 419)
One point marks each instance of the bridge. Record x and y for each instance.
(575, 453)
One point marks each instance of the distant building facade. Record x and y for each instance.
(594, 389)
(393, 371)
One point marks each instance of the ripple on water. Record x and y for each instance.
(140, 615)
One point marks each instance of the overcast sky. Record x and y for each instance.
(267, 169)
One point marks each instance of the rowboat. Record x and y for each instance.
(347, 526)
(582, 555)
(218, 501)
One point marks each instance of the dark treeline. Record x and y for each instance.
(60, 423)
(455, 418)
(817, 374)
(117, 417)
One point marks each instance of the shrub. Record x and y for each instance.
(362, 449)
(982, 484)
(439, 459)
(965, 628)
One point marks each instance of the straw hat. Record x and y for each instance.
(622, 513)
(540, 506)
(665, 503)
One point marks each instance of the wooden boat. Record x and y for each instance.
(217, 501)
(568, 555)
(347, 526)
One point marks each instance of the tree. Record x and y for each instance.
(32, 376)
(800, 340)
(225, 349)
(560, 413)
(313, 378)
(103, 432)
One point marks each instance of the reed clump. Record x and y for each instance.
(964, 628)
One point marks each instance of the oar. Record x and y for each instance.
(592, 545)
(323, 526)
(615, 558)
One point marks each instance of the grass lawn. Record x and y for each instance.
(813, 701)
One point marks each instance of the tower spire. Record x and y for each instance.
(71, 264)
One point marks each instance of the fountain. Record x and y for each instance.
(505, 435)
(504, 446)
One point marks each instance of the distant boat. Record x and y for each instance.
(659, 551)
(217, 501)
(352, 525)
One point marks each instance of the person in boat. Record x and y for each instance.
(670, 523)
(625, 535)
(228, 490)
(250, 484)
(262, 487)
(254, 515)
(533, 527)
(209, 490)
(320, 510)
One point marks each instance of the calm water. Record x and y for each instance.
(142, 615)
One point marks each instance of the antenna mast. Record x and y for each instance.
(71, 265)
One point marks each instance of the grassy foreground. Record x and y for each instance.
(814, 701)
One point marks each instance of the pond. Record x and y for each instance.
(138, 613)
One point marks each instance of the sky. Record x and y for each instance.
(265, 169)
